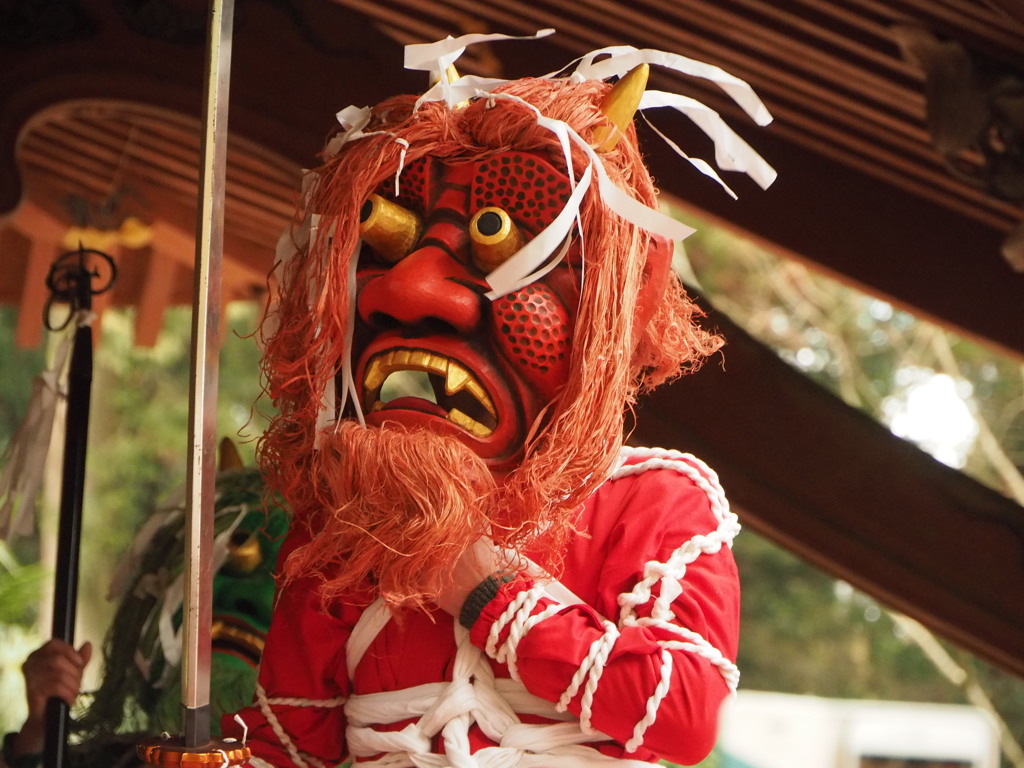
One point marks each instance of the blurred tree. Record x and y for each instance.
(19, 366)
(803, 631)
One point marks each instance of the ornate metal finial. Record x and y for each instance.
(74, 278)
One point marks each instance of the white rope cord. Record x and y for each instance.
(519, 617)
(301, 759)
(474, 696)
(599, 649)
(669, 575)
(694, 643)
(295, 701)
(597, 665)
(651, 710)
(671, 572)
(521, 625)
(528, 599)
(279, 731)
(660, 458)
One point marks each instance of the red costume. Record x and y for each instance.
(479, 288)
(661, 514)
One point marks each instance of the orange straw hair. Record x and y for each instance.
(611, 360)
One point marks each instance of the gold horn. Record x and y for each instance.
(452, 72)
(453, 75)
(619, 107)
(228, 456)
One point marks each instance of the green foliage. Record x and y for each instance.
(19, 367)
(19, 589)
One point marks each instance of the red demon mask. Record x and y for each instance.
(483, 370)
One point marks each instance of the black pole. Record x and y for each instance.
(74, 285)
(65, 592)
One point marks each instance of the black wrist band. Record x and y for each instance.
(481, 595)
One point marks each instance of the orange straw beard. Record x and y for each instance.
(399, 507)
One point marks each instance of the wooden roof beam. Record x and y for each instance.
(155, 297)
(42, 230)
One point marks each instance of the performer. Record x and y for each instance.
(478, 572)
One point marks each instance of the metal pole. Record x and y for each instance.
(65, 597)
(206, 325)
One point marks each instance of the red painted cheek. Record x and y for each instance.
(533, 332)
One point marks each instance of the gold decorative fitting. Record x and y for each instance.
(391, 230)
(619, 107)
(495, 237)
(246, 556)
(221, 632)
(172, 753)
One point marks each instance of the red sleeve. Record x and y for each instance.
(638, 519)
(304, 662)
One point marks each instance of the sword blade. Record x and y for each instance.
(206, 332)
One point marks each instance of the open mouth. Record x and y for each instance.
(431, 383)
(236, 637)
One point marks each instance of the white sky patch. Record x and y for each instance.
(931, 409)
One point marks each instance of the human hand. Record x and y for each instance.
(54, 670)
(479, 561)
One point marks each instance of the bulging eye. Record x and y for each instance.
(391, 230)
(494, 236)
(244, 553)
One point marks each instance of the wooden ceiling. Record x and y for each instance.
(103, 96)
(121, 159)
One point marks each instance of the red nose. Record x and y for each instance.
(427, 288)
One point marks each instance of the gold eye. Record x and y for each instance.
(495, 237)
(244, 554)
(391, 230)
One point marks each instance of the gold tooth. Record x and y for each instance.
(474, 427)
(421, 360)
(375, 375)
(455, 378)
(478, 392)
(439, 365)
(459, 378)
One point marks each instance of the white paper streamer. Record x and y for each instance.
(24, 458)
(731, 152)
(353, 119)
(348, 381)
(632, 210)
(623, 58)
(438, 56)
(696, 162)
(401, 163)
